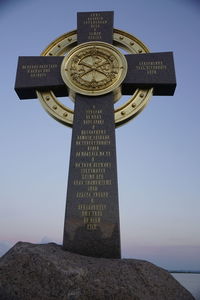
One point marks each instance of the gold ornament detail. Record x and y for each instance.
(93, 69)
(124, 113)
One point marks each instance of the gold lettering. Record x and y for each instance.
(151, 67)
(91, 226)
(38, 71)
(95, 207)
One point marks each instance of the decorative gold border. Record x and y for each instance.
(112, 50)
(124, 113)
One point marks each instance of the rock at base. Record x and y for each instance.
(33, 272)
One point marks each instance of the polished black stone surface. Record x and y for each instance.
(150, 70)
(95, 26)
(92, 212)
(39, 73)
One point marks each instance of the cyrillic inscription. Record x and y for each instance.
(38, 71)
(95, 21)
(151, 67)
(92, 175)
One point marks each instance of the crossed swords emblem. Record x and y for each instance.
(93, 66)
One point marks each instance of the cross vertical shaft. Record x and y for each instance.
(92, 211)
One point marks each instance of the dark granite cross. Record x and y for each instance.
(92, 213)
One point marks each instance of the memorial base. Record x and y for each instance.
(48, 272)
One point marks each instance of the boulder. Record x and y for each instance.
(45, 272)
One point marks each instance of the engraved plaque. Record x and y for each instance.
(95, 26)
(92, 212)
(39, 73)
(150, 70)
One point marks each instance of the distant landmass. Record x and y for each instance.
(184, 271)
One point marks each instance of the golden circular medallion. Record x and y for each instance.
(93, 69)
(124, 113)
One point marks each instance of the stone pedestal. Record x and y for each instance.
(32, 272)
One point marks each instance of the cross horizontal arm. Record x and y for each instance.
(39, 73)
(150, 70)
(144, 71)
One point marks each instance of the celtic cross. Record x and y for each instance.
(87, 65)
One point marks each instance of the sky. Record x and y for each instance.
(157, 152)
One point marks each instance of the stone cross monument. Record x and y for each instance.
(87, 65)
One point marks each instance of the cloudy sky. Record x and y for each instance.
(157, 153)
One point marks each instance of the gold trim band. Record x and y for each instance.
(135, 104)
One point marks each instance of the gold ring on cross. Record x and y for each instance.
(64, 46)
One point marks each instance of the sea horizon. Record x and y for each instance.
(184, 271)
(190, 281)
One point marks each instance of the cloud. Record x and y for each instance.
(6, 245)
(46, 240)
